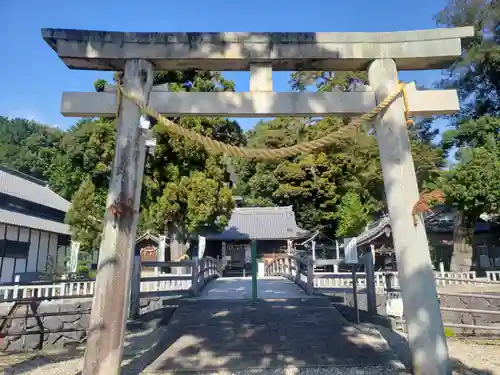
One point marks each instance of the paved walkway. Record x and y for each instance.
(224, 329)
(237, 288)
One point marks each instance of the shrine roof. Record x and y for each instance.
(260, 223)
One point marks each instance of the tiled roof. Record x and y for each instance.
(261, 223)
(33, 222)
(376, 228)
(148, 236)
(30, 189)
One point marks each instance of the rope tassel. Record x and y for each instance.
(409, 121)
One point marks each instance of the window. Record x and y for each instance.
(14, 249)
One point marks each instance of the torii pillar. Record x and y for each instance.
(104, 349)
(416, 277)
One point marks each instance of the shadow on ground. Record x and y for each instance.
(213, 335)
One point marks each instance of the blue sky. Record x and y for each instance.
(34, 78)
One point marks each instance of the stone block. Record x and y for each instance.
(32, 342)
(32, 323)
(87, 305)
(17, 326)
(144, 302)
(70, 318)
(52, 339)
(76, 335)
(69, 308)
(16, 345)
(48, 307)
(84, 321)
(52, 323)
(64, 342)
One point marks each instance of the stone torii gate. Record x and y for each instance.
(382, 54)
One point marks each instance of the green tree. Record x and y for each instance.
(473, 188)
(476, 74)
(85, 216)
(477, 79)
(312, 184)
(352, 215)
(472, 133)
(315, 184)
(475, 140)
(28, 146)
(187, 190)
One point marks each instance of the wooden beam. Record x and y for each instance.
(103, 50)
(259, 104)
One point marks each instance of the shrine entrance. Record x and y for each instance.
(386, 102)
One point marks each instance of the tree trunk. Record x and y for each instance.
(461, 259)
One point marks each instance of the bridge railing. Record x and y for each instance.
(297, 269)
(311, 280)
(197, 273)
(193, 275)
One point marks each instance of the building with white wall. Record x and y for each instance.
(33, 236)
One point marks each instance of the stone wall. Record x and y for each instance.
(345, 304)
(472, 318)
(66, 327)
(151, 304)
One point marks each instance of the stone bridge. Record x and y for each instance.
(224, 329)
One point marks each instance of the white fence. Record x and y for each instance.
(183, 282)
(160, 282)
(344, 279)
(66, 288)
(493, 275)
(86, 288)
(169, 282)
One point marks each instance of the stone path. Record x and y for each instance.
(241, 288)
(236, 335)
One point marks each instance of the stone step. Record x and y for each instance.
(231, 337)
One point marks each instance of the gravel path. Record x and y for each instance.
(469, 356)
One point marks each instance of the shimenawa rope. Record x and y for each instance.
(215, 146)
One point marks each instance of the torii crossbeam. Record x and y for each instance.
(381, 54)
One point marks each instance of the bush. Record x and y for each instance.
(448, 332)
